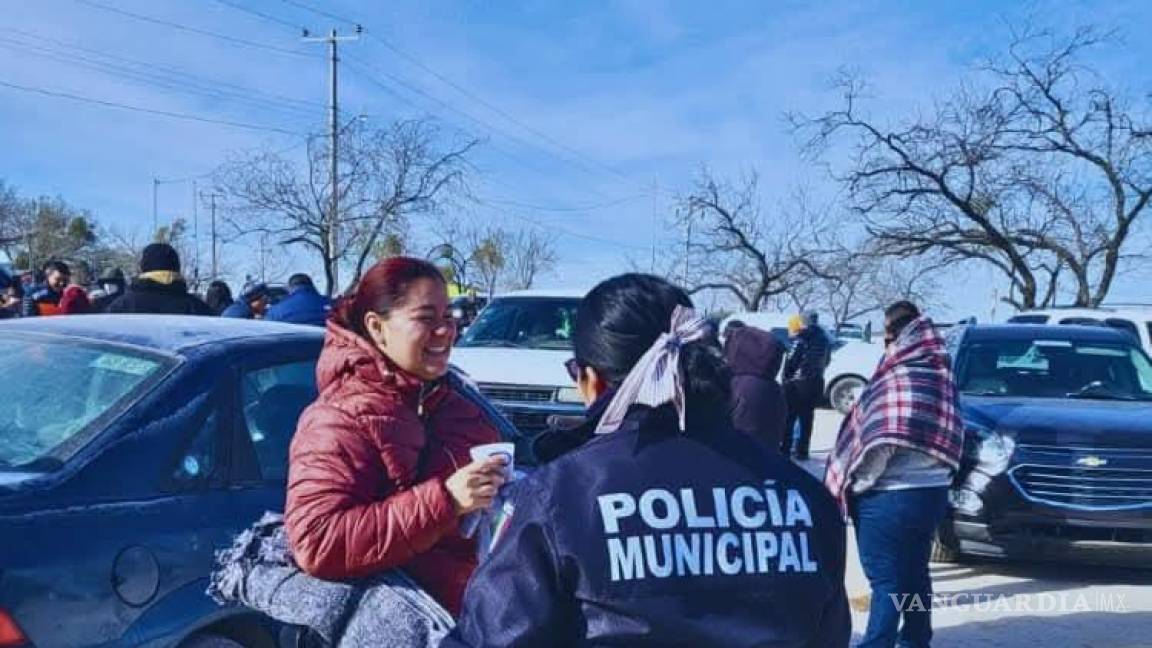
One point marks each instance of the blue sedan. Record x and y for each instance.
(131, 448)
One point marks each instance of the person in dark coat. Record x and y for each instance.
(804, 380)
(11, 296)
(113, 283)
(758, 408)
(218, 297)
(666, 527)
(253, 303)
(159, 288)
(45, 299)
(303, 305)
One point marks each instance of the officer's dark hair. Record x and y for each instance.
(619, 321)
(299, 280)
(898, 316)
(58, 266)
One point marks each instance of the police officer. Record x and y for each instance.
(660, 525)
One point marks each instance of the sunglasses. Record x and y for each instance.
(574, 369)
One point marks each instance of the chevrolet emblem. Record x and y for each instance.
(1092, 461)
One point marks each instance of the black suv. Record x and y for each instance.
(1059, 445)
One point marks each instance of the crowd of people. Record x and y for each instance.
(158, 288)
(674, 515)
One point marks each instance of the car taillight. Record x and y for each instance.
(10, 634)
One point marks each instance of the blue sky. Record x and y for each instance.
(633, 96)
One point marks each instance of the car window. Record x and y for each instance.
(1082, 321)
(198, 462)
(1124, 325)
(55, 390)
(525, 323)
(1029, 319)
(272, 399)
(1054, 368)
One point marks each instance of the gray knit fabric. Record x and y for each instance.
(257, 571)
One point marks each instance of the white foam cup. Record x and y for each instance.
(497, 450)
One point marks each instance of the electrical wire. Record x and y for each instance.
(260, 14)
(194, 30)
(141, 109)
(153, 80)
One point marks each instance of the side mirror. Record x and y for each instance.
(867, 333)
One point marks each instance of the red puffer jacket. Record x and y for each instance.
(367, 469)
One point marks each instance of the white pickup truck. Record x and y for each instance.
(515, 351)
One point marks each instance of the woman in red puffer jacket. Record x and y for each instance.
(379, 472)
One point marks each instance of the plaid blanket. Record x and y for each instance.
(911, 401)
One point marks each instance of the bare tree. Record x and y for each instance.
(732, 246)
(385, 176)
(1043, 175)
(488, 255)
(531, 253)
(862, 283)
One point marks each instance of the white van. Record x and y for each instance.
(1136, 319)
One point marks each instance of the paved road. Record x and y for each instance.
(996, 604)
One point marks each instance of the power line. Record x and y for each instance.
(580, 208)
(321, 12)
(194, 30)
(209, 174)
(260, 14)
(563, 230)
(165, 69)
(494, 108)
(368, 72)
(152, 78)
(474, 97)
(141, 109)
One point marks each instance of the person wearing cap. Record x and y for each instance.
(303, 305)
(159, 288)
(804, 380)
(663, 526)
(253, 303)
(111, 284)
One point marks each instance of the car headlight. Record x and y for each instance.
(994, 453)
(965, 501)
(569, 395)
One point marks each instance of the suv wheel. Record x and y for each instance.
(844, 393)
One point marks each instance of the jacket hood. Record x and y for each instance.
(347, 357)
(753, 352)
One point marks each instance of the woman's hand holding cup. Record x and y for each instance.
(474, 486)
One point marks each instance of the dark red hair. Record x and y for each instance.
(381, 290)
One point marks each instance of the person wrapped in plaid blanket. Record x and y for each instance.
(894, 460)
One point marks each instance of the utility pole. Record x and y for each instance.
(155, 212)
(687, 250)
(195, 239)
(332, 39)
(215, 257)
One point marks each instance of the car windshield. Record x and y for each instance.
(524, 323)
(1055, 368)
(55, 390)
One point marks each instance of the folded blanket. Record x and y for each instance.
(389, 609)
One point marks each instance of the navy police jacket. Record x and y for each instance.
(650, 537)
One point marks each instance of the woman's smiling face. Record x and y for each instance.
(419, 334)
